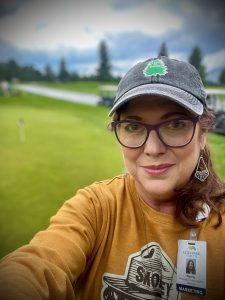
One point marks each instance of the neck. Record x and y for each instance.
(166, 206)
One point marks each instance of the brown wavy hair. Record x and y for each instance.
(195, 194)
(192, 197)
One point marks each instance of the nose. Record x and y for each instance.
(154, 146)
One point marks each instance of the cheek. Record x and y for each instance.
(130, 157)
(188, 158)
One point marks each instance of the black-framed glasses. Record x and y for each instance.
(174, 133)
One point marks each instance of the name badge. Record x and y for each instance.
(191, 267)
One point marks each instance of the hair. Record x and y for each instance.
(188, 266)
(193, 197)
(195, 194)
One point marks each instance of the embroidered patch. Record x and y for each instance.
(155, 67)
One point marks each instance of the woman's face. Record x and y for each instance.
(191, 265)
(160, 170)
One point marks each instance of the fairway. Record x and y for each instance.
(62, 147)
(67, 146)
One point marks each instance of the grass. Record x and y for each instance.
(217, 143)
(67, 147)
(221, 97)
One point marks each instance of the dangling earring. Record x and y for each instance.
(201, 171)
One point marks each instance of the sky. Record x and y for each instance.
(41, 32)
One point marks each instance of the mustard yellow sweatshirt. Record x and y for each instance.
(107, 243)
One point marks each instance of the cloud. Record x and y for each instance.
(43, 31)
(81, 24)
(41, 26)
(126, 4)
(9, 7)
(82, 61)
(203, 23)
(214, 60)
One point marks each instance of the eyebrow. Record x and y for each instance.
(163, 117)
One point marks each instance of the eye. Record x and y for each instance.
(132, 127)
(178, 124)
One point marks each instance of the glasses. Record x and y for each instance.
(173, 133)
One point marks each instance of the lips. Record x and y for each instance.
(157, 169)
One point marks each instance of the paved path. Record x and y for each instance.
(215, 91)
(59, 94)
(81, 97)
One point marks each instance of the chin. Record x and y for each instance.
(164, 191)
(159, 190)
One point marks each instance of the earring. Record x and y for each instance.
(201, 172)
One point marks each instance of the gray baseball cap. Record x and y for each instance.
(162, 76)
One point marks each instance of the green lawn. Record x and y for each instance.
(217, 143)
(67, 147)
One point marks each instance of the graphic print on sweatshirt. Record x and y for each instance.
(149, 274)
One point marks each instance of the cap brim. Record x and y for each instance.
(179, 96)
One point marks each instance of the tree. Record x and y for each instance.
(9, 70)
(195, 59)
(222, 77)
(163, 50)
(74, 76)
(104, 69)
(29, 73)
(63, 73)
(48, 74)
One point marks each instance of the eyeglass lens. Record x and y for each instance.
(174, 133)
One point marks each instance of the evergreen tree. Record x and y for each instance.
(163, 50)
(2, 71)
(74, 76)
(63, 73)
(104, 69)
(196, 60)
(29, 73)
(222, 77)
(48, 74)
(11, 70)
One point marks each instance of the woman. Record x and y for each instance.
(120, 238)
(190, 269)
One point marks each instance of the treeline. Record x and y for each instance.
(11, 70)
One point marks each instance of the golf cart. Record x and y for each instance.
(107, 95)
(218, 106)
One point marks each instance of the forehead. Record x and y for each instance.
(153, 103)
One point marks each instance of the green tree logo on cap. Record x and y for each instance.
(155, 67)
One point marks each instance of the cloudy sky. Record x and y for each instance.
(43, 31)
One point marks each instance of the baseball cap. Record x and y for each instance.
(177, 80)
